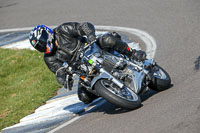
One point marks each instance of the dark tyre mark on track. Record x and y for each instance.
(197, 64)
(8, 5)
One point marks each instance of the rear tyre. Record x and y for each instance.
(124, 98)
(161, 79)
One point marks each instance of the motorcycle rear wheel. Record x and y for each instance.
(124, 98)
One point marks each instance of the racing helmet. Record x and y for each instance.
(41, 38)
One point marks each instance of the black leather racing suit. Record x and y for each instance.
(70, 37)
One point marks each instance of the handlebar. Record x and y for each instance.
(85, 47)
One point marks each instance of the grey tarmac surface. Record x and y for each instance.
(175, 26)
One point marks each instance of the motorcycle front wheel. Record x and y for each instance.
(124, 98)
(161, 79)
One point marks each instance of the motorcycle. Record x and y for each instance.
(115, 77)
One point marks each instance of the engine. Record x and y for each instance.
(113, 62)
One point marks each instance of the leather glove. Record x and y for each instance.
(139, 55)
(91, 38)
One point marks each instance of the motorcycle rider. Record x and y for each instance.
(61, 44)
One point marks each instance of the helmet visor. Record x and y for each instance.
(42, 42)
(44, 36)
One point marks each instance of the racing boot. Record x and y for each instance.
(85, 96)
(134, 54)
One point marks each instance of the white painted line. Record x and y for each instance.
(15, 29)
(65, 124)
(25, 44)
(60, 106)
(74, 119)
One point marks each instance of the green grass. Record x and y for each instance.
(25, 84)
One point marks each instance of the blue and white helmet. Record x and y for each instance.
(41, 38)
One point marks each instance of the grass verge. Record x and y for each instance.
(25, 84)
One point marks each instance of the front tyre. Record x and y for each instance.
(161, 79)
(125, 98)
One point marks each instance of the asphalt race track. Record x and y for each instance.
(175, 26)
